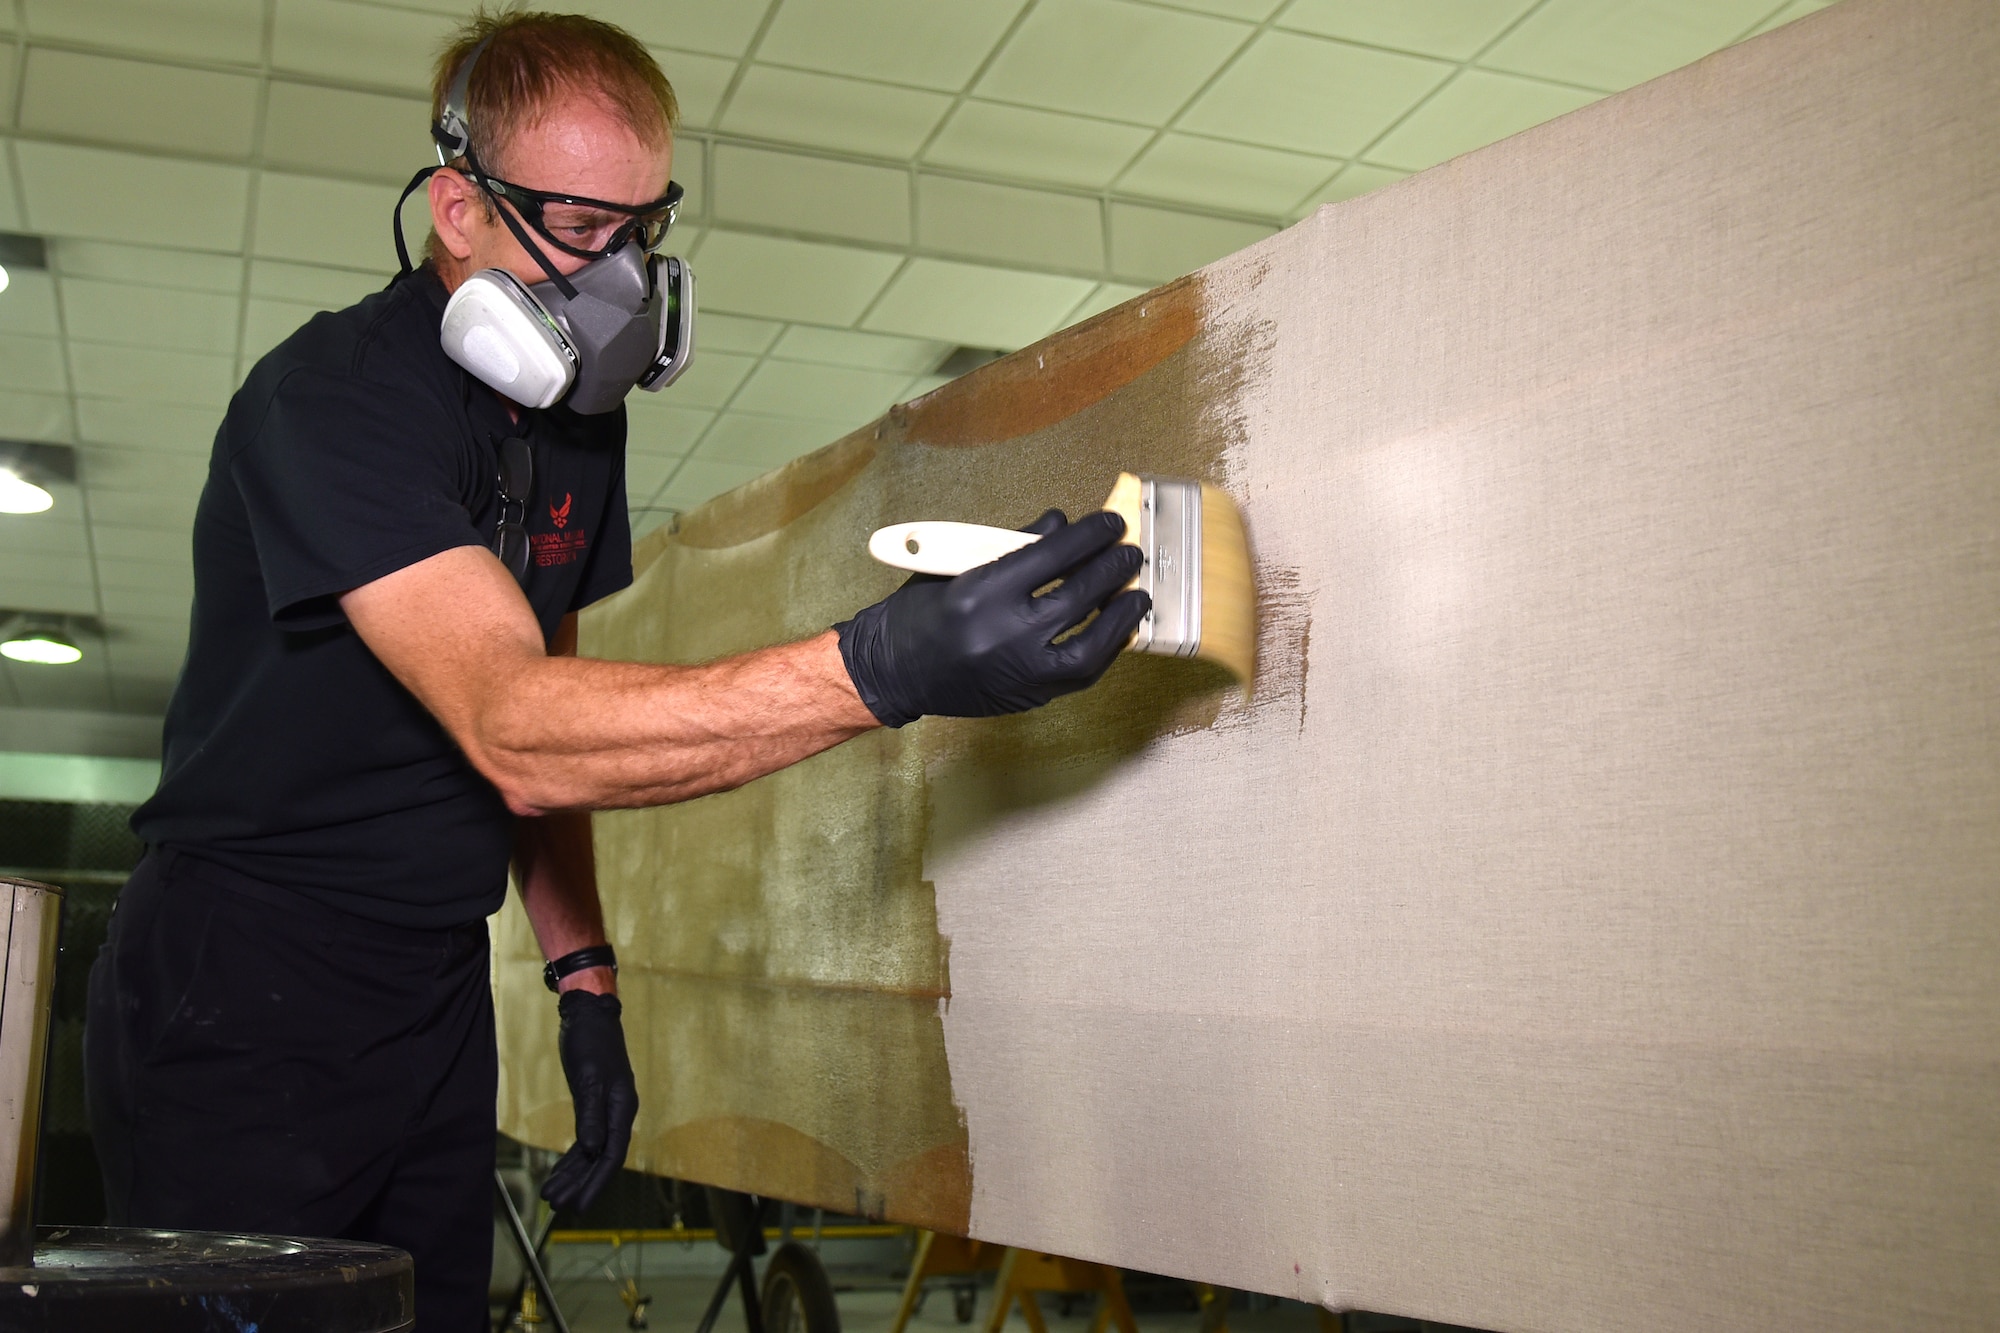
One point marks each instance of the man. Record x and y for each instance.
(290, 1026)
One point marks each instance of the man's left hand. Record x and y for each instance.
(606, 1096)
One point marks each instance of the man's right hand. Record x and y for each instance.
(983, 643)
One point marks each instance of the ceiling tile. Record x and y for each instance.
(127, 541)
(31, 364)
(1007, 223)
(267, 323)
(1110, 58)
(1254, 11)
(138, 102)
(193, 204)
(171, 512)
(30, 304)
(358, 134)
(760, 443)
(60, 687)
(150, 374)
(702, 479)
(142, 696)
(11, 216)
(184, 430)
(794, 192)
(733, 333)
(975, 305)
(1798, 9)
(326, 288)
(230, 30)
(644, 475)
(1312, 95)
(1470, 112)
(148, 266)
(718, 27)
(116, 312)
(328, 222)
(1157, 244)
(34, 416)
(819, 393)
(151, 602)
(152, 471)
(1358, 178)
(1104, 298)
(793, 106)
(48, 583)
(40, 545)
(863, 351)
(698, 82)
(779, 279)
(364, 44)
(1234, 176)
(1613, 44)
(918, 42)
(711, 377)
(166, 571)
(1035, 145)
(656, 425)
(691, 170)
(1454, 29)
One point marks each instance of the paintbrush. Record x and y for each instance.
(1197, 565)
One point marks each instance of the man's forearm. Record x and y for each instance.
(575, 733)
(557, 870)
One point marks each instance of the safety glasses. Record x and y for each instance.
(578, 225)
(517, 479)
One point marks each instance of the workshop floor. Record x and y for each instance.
(591, 1302)
(594, 1306)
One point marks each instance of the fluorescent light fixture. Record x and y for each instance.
(28, 471)
(43, 647)
(3, 278)
(18, 495)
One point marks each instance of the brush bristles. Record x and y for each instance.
(1228, 590)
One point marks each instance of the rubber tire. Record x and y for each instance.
(797, 1298)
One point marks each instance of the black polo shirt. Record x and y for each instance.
(354, 449)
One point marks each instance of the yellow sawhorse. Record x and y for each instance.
(1021, 1275)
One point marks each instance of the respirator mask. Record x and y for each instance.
(624, 318)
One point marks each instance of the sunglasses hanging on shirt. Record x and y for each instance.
(585, 338)
(516, 482)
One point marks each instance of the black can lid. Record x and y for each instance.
(92, 1278)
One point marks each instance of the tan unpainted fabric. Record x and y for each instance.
(1594, 919)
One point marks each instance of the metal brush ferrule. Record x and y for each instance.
(1170, 538)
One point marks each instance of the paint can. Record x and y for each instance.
(33, 919)
(87, 1279)
(79, 1279)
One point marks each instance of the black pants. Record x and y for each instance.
(256, 1062)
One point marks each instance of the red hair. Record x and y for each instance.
(534, 61)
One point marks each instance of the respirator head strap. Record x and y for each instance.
(396, 218)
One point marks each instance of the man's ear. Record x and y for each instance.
(456, 210)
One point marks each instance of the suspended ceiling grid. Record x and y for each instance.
(871, 184)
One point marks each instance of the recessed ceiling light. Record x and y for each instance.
(21, 496)
(18, 251)
(43, 647)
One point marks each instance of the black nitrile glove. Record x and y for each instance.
(982, 644)
(592, 1044)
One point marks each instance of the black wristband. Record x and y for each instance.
(595, 955)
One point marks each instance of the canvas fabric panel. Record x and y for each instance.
(1590, 918)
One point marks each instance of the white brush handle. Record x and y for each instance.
(944, 548)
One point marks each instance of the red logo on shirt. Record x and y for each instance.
(561, 516)
(558, 548)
